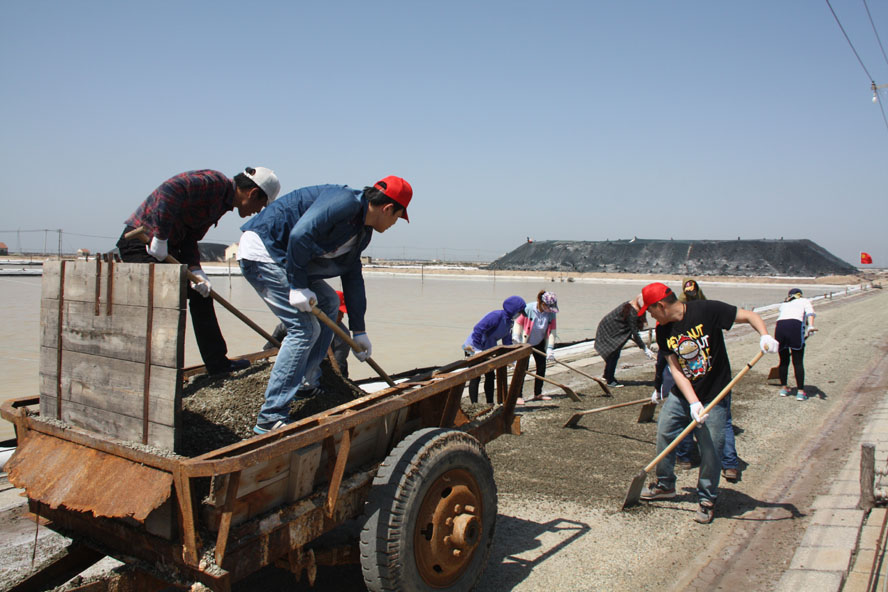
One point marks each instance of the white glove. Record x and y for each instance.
(550, 355)
(204, 286)
(302, 299)
(362, 340)
(696, 410)
(157, 248)
(656, 399)
(470, 350)
(810, 332)
(768, 344)
(649, 354)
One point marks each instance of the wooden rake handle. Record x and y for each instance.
(139, 234)
(724, 392)
(597, 379)
(351, 342)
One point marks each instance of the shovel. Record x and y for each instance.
(634, 494)
(597, 379)
(139, 234)
(351, 342)
(643, 416)
(565, 388)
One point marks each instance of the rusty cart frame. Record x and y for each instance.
(219, 517)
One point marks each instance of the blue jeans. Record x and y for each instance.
(305, 345)
(675, 417)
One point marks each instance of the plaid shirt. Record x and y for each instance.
(614, 331)
(183, 208)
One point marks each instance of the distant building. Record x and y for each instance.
(231, 252)
(83, 253)
(4, 250)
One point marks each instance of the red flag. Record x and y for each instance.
(865, 258)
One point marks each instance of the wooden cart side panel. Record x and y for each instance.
(97, 353)
(129, 285)
(288, 478)
(120, 335)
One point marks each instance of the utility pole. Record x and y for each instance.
(60, 244)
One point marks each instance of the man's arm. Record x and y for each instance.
(767, 343)
(681, 381)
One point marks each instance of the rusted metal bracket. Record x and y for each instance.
(296, 561)
(338, 472)
(225, 521)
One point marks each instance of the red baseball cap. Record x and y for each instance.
(397, 189)
(652, 294)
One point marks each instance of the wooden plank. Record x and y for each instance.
(129, 286)
(120, 335)
(115, 386)
(304, 464)
(116, 425)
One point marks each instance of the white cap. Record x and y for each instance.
(266, 180)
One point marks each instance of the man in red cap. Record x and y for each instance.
(289, 250)
(691, 335)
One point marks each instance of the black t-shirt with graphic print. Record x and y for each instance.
(698, 342)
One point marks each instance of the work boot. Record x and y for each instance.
(705, 512)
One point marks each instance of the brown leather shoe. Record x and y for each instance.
(732, 475)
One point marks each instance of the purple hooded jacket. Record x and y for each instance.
(496, 325)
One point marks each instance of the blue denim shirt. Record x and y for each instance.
(299, 227)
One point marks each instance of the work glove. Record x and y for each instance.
(656, 399)
(649, 354)
(302, 299)
(363, 341)
(768, 344)
(204, 286)
(696, 410)
(550, 355)
(810, 331)
(470, 350)
(157, 248)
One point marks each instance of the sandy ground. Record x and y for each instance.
(560, 490)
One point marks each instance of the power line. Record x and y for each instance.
(876, 33)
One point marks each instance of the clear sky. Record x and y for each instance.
(556, 120)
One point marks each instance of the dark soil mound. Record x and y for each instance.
(795, 258)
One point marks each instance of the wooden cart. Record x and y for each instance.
(405, 462)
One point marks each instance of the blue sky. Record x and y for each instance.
(560, 120)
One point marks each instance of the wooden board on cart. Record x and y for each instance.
(112, 348)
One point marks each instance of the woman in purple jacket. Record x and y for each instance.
(494, 326)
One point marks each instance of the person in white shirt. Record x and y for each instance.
(794, 323)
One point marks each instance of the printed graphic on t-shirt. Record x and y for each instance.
(692, 349)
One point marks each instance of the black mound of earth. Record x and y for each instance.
(794, 258)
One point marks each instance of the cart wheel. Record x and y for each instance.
(429, 518)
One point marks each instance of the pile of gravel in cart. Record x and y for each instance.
(218, 411)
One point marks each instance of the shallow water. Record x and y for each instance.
(412, 321)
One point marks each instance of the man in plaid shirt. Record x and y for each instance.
(176, 216)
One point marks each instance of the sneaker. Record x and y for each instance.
(655, 491)
(801, 395)
(705, 512)
(310, 392)
(683, 465)
(784, 391)
(614, 384)
(264, 428)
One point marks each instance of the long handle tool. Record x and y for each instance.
(139, 234)
(351, 342)
(634, 493)
(576, 416)
(601, 382)
(565, 388)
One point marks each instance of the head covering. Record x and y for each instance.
(550, 300)
(514, 305)
(652, 294)
(397, 189)
(690, 290)
(266, 180)
(793, 294)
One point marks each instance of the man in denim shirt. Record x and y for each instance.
(286, 253)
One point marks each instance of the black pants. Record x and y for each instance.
(798, 365)
(489, 387)
(540, 359)
(209, 338)
(610, 366)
